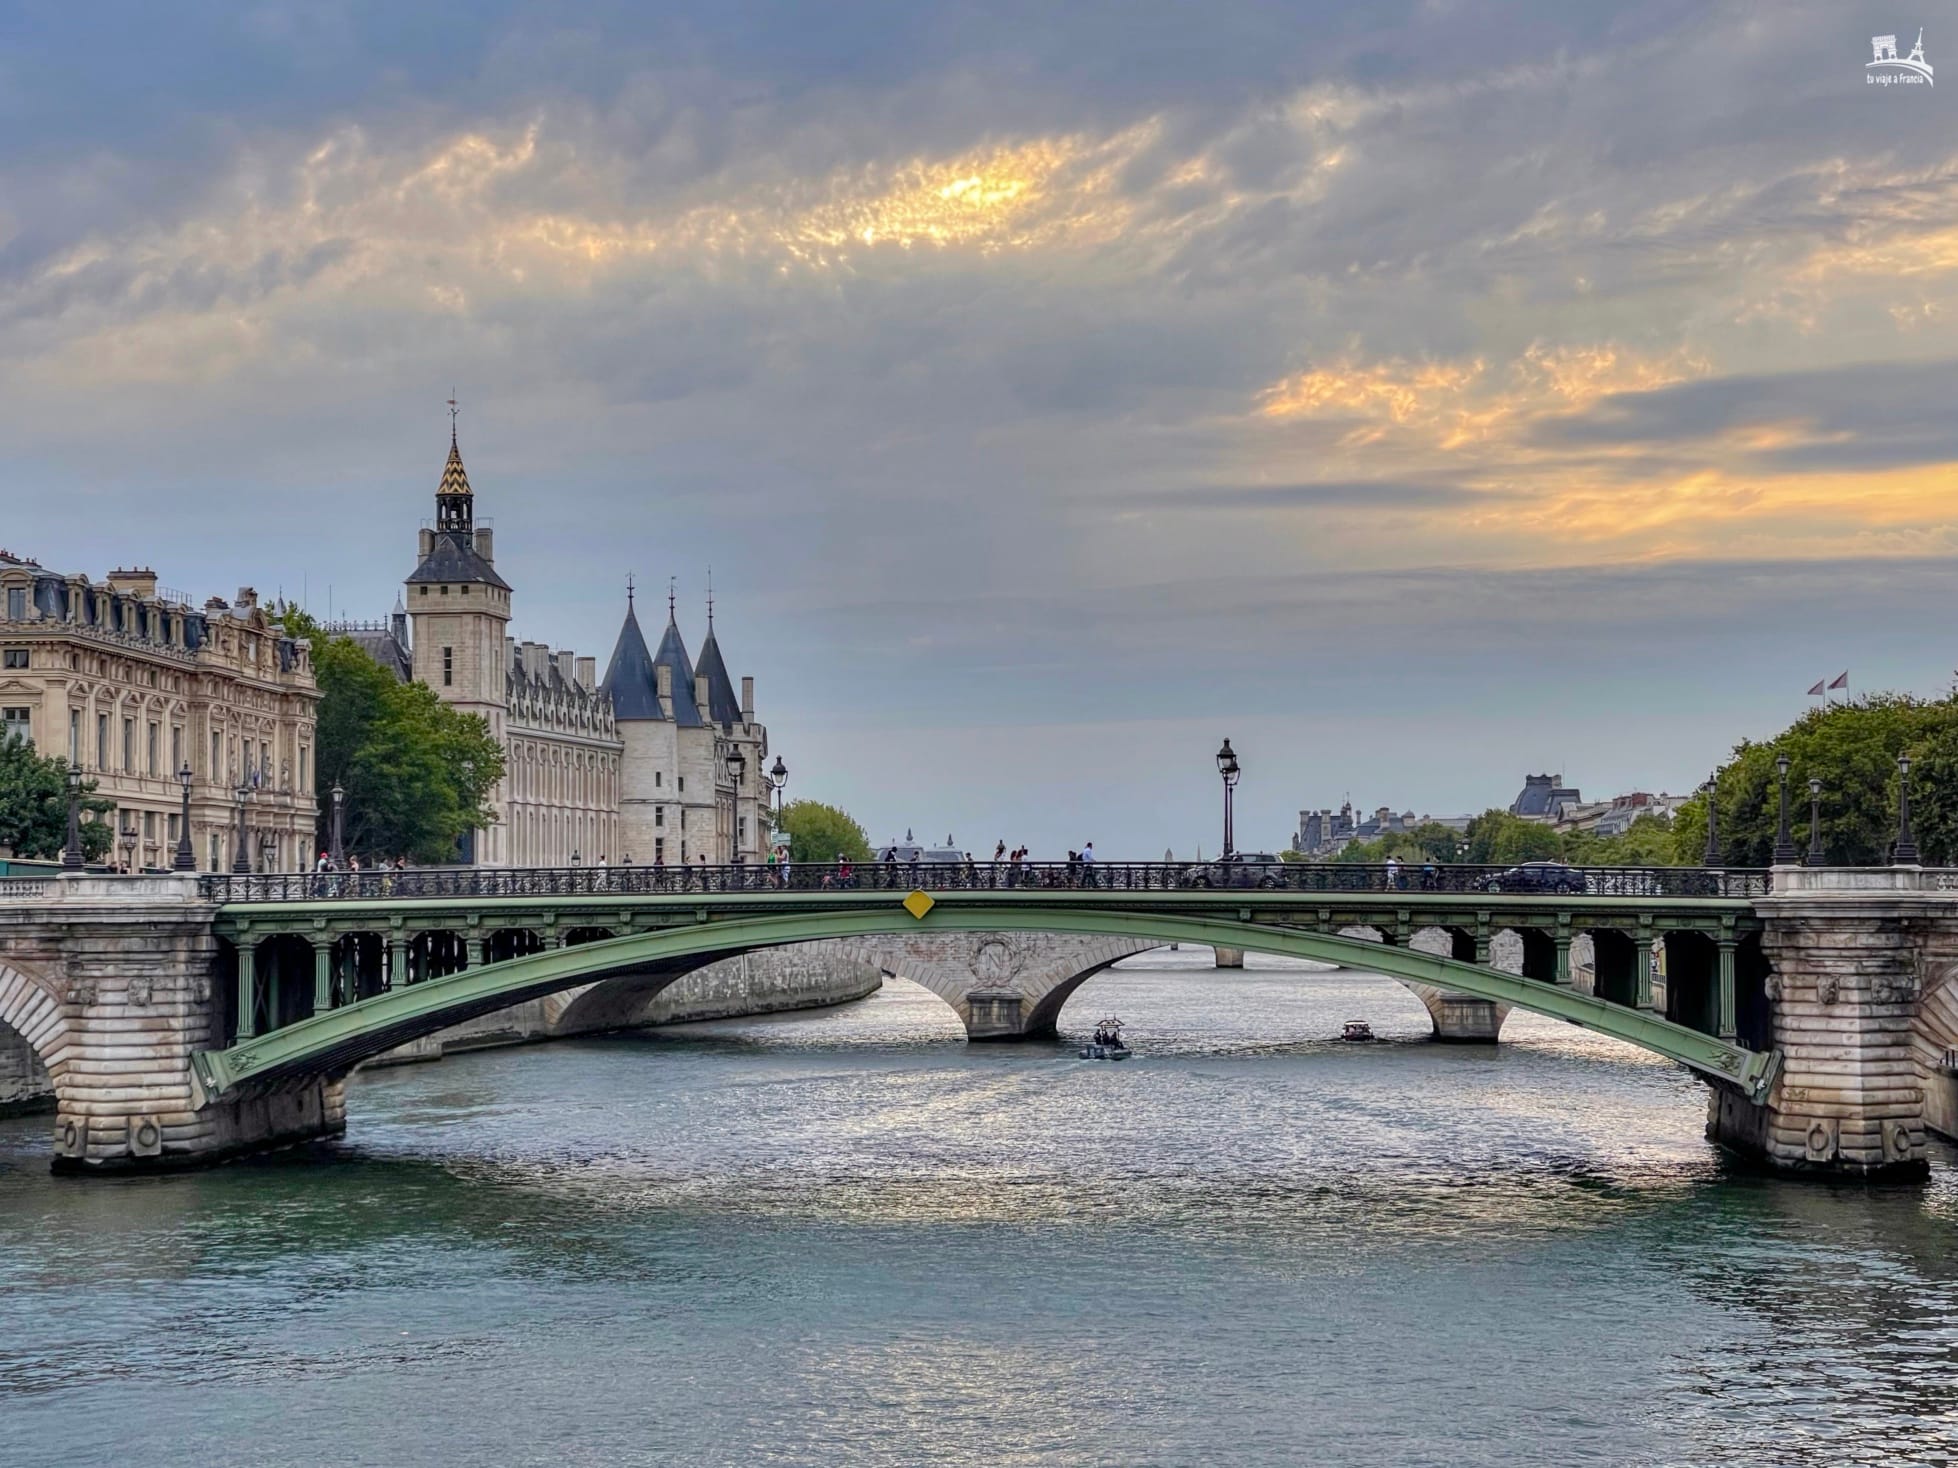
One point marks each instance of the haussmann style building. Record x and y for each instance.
(134, 684)
(633, 767)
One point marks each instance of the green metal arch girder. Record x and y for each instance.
(339, 1038)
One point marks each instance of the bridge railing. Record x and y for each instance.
(1535, 880)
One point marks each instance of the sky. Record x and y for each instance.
(1419, 394)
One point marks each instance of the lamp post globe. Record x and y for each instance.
(184, 860)
(128, 843)
(71, 854)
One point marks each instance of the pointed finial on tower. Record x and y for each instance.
(672, 595)
(628, 591)
(710, 599)
(453, 410)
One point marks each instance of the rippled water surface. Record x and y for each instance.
(850, 1238)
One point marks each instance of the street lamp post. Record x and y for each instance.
(338, 848)
(1904, 853)
(1711, 857)
(1815, 823)
(128, 850)
(71, 854)
(185, 859)
(241, 859)
(1784, 843)
(737, 766)
(777, 777)
(1227, 766)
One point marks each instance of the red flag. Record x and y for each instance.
(1816, 691)
(1843, 681)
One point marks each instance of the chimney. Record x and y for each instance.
(140, 582)
(567, 665)
(700, 696)
(534, 654)
(427, 541)
(588, 673)
(663, 679)
(747, 700)
(486, 543)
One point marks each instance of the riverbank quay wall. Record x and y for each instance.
(783, 980)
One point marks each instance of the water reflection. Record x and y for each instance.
(849, 1237)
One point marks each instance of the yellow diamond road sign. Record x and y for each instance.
(918, 904)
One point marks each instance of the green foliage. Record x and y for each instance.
(1430, 841)
(34, 805)
(1497, 838)
(417, 773)
(822, 833)
(1852, 748)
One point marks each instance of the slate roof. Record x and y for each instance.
(673, 654)
(453, 558)
(629, 677)
(379, 644)
(723, 707)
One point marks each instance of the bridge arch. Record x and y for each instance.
(29, 1008)
(332, 1043)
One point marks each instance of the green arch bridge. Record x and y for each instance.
(328, 970)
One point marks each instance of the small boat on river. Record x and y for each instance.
(1357, 1030)
(1107, 1043)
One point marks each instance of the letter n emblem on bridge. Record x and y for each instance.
(918, 904)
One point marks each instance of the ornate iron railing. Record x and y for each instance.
(987, 876)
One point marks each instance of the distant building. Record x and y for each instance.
(1543, 798)
(131, 682)
(632, 765)
(1326, 833)
(1614, 817)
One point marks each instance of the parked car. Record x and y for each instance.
(1239, 869)
(1536, 876)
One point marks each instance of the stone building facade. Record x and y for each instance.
(132, 682)
(631, 768)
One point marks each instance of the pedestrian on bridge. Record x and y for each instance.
(1088, 866)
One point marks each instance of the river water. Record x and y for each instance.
(848, 1237)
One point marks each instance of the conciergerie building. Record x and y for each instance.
(633, 767)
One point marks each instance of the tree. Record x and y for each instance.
(34, 805)
(822, 833)
(417, 773)
(1498, 838)
(1852, 748)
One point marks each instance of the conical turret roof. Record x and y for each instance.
(629, 677)
(723, 707)
(673, 654)
(455, 478)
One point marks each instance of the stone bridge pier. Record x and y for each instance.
(1005, 986)
(111, 982)
(1856, 998)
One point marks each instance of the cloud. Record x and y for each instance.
(1002, 357)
